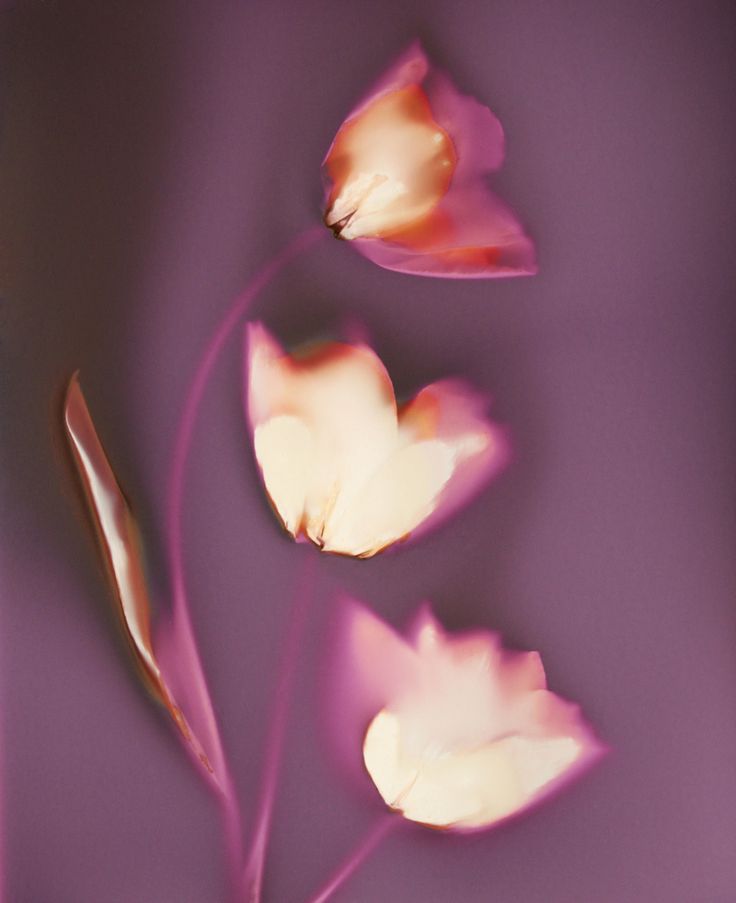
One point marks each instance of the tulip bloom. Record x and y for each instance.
(468, 734)
(406, 179)
(343, 465)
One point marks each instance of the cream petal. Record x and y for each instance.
(469, 668)
(464, 789)
(351, 411)
(390, 770)
(265, 374)
(327, 383)
(311, 418)
(285, 450)
(461, 790)
(393, 501)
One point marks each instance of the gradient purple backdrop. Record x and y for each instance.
(153, 155)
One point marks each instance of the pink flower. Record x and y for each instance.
(462, 733)
(406, 179)
(343, 465)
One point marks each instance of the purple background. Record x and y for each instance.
(153, 155)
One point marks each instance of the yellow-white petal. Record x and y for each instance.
(285, 448)
(397, 497)
(463, 788)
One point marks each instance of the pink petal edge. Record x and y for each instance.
(462, 410)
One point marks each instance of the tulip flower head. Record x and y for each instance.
(468, 733)
(343, 465)
(405, 179)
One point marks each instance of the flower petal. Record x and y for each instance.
(286, 451)
(467, 789)
(476, 132)
(453, 412)
(399, 495)
(409, 69)
(368, 640)
(389, 167)
(322, 424)
(471, 234)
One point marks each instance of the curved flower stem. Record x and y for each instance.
(185, 427)
(253, 875)
(181, 624)
(233, 832)
(358, 856)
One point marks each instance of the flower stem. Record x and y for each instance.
(184, 432)
(253, 875)
(232, 828)
(356, 858)
(195, 393)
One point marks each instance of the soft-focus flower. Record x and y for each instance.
(466, 733)
(406, 179)
(344, 466)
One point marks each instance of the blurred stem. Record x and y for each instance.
(195, 393)
(357, 857)
(253, 875)
(182, 445)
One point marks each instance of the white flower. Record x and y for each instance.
(468, 733)
(345, 467)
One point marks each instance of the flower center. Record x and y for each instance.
(390, 166)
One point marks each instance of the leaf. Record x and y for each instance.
(120, 545)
